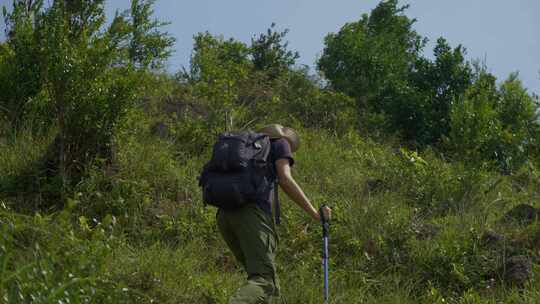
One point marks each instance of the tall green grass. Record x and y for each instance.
(407, 227)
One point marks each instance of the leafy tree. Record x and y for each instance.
(148, 46)
(518, 114)
(517, 109)
(475, 127)
(495, 126)
(137, 37)
(76, 59)
(87, 76)
(371, 60)
(377, 60)
(270, 53)
(365, 55)
(20, 70)
(437, 84)
(214, 58)
(218, 68)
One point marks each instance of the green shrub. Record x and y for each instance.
(46, 259)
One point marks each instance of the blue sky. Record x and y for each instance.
(506, 34)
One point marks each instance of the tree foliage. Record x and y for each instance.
(21, 73)
(366, 54)
(428, 102)
(474, 123)
(148, 46)
(64, 59)
(270, 53)
(436, 85)
(75, 63)
(218, 68)
(378, 61)
(495, 125)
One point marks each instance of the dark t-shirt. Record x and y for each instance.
(280, 148)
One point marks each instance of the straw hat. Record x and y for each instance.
(279, 131)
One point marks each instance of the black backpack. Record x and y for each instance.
(239, 171)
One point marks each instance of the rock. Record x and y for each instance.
(522, 214)
(370, 248)
(491, 238)
(160, 130)
(425, 231)
(373, 184)
(518, 270)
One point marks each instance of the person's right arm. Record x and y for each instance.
(293, 190)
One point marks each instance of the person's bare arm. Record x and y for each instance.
(293, 190)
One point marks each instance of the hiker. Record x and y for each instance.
(249, 230)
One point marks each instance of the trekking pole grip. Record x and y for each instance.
(324, 220)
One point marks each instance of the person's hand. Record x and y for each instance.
(327, 213)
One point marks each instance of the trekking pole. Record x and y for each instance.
(325, 227)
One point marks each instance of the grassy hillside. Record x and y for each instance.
(408, 228)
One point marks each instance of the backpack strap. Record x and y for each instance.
(276, 203)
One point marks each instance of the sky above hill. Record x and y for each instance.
(504, 34)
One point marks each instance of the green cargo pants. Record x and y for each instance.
(250, 234)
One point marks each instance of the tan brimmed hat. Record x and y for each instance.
(279, 131)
